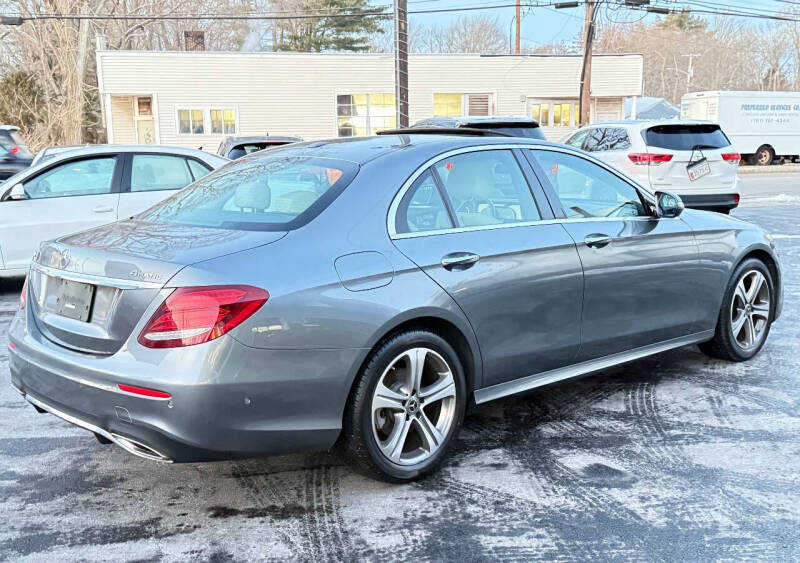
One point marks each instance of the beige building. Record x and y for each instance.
(194, 99)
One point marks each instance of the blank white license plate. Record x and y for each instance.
(698, 169)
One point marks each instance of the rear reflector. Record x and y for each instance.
(145, 392)
(193, 315)
(736, 199)
(732, 157)
(649, 158)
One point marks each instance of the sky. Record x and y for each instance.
(544, 25)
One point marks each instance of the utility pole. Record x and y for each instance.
(516, 50)
(401, 62)
(586, 68)
(690, 72)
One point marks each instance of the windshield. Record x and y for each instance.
(268, 193)
(686, 137)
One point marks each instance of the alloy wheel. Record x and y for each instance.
(750, 309)
(413, 406)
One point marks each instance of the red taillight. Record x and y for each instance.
(649, 158)
(731, 157)
(736, 199)
(144, 391)
(14, 150)
(23, 296)
(193, 315)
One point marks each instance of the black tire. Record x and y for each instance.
(724, 345)
(763, 156)
(358, 443)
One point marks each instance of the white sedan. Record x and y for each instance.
(87, 187)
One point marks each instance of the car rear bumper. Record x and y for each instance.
(710, 201)
(256, 402)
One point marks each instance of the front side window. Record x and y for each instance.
(422, 208)
(152, 172)
(92, 176)
(364, 114)
(586, 189)
(191, 122)
(223, 121)
(269, 193)
(487, 188)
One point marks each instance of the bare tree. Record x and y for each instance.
(468, 34)
(59, 53)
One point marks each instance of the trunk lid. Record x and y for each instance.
(89, 290)
(689, 143)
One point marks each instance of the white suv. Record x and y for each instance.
(693, 159)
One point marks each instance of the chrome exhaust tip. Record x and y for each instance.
(128, 444)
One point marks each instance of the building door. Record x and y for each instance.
(145, 123)
(607, 110)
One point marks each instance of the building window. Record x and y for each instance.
(564, 114)
(457, 105)
(191, 122)
(223, 121)
(364, 114)
(448, 105)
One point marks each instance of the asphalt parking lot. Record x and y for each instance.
(676, 457)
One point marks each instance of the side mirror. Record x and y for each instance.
(17, 192)
(668, 205)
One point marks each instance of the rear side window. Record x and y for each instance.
(422, 208)
(198, 170)
(686, 137)
(607, 139)
(153, 172)
(267, 193)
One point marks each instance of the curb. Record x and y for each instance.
(772, 169)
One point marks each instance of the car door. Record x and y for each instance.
(152, 177)
(471, 223)
(640, 271)
(64, 198)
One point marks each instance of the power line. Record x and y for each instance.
(381, 12)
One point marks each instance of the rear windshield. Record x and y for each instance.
(686, 137)
(528, 132)
(264, 193)
(13, 139)
(257, 146)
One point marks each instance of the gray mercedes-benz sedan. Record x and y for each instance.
(363, 292)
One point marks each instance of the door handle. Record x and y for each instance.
(459, 260)
(597, 240)
(103, 209)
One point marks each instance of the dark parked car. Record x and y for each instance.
(362, 292)
(14, 155)
(499, 125)
(237, 147)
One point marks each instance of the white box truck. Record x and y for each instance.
(761, 125)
